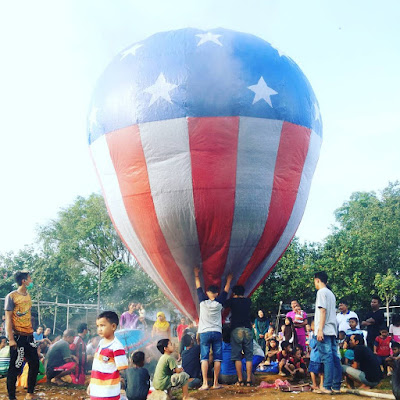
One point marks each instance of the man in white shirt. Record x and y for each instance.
(344, 315)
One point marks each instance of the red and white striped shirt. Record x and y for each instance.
(108, 360)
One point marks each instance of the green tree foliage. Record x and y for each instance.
(365, 241)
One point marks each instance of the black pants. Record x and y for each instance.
(26, 348)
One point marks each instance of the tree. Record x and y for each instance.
(387, 287)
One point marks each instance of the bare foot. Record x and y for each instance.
(364, 387)
(57, 381)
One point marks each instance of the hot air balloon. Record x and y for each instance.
(205, 144)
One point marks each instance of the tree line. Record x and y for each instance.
(361, 256)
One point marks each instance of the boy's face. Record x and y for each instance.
(47, 332)
(396, 351)
(105, 328)
(169, 349)
(288, 349)
(384, 333)
(39, 330)
(353, 324)
(341, 335)
(183, 321)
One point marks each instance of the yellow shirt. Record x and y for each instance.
(20, 305)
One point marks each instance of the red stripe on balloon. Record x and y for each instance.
(213, 147)
(130, 165)
(292, 153)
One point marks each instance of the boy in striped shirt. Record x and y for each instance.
(109, 359)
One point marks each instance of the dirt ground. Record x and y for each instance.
(46, 391)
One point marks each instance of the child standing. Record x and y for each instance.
(109, 359)
(382, 346)
(137, 378)
(167, 374)
(289, 332)
(394, 328)
(316, 368)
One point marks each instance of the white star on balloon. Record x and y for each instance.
(160, 89)
(131, 50)
(93, 117)
(317, 114)
(208, 37)
(262, 91)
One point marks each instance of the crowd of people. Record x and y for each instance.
(204, 357)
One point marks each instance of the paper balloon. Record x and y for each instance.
(205, 144)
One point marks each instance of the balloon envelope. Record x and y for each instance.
(205, 144)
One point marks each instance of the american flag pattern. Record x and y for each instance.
(205, 144)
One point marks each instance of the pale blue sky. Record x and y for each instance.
(54, 51)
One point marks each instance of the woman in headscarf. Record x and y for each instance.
(261, 326)
(161, 328)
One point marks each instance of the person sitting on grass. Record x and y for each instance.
(296, 365)
(283, 357)
(272, 351)
(137, 378)
(366, 368)
(60, 361)
(168, 375)
(395, 357)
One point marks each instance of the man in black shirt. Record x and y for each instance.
(373, 321)
(367, 369)
(241, 335)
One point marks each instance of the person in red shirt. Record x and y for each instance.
(283, 357)
(382, 346)
(180, 328)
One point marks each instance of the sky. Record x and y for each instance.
(53, 52)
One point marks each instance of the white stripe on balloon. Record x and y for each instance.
(296, 216)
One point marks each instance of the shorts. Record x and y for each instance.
(214, 340)
(316, 367)
(52, 372)
(382, 359)
(242, 340)
(179, 380)
(358, 375)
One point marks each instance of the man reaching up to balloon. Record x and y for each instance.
(210, 326)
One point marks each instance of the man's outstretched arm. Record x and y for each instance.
(197, 277)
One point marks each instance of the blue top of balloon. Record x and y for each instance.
(195, 73)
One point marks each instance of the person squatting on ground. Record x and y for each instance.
(167, 374)
(241, 333)
(326, 327)
(191, 360)
(210, 326)
(109, 360)
(366, 368)
(137, 378)
(60, 361)
(18, 306)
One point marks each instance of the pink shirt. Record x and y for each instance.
(300, 331)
